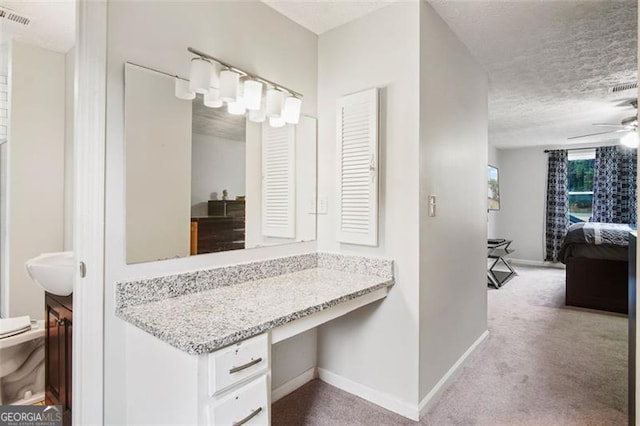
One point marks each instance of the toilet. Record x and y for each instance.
(22, 366)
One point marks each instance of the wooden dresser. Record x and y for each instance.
(223, 229)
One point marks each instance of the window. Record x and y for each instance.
(581, 164)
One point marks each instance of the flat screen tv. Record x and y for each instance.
(493, 188)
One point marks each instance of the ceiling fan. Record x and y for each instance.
(628, 124)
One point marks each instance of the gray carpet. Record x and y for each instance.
(543, 364)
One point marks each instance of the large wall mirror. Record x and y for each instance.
(200, 180)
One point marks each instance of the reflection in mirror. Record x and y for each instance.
(200, 180)
(218, 179)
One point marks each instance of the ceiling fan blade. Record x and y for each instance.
(601, 133)
(608, 125)
(629, 102)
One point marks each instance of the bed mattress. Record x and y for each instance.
(593, 240)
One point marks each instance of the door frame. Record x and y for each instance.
(88, 211)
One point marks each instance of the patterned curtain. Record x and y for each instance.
(614, 185)
(557, 221)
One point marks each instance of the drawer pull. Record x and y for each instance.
(249, 417)
(244, 366)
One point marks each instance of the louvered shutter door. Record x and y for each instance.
(278, 181)
(357, 144)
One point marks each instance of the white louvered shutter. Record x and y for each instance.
(357, 142)
(278, 181)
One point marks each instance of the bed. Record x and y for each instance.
(597, 260)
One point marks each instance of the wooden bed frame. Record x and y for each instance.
(597, 284)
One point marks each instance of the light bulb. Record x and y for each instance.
(212, 98)
(291, 112)
(276, 121)
(229, 82)
(630, 140)
(236, 108)
(200, 75)
(214, 82)
(257, 116)
(182, 90)
(275, 103)
(252, 94)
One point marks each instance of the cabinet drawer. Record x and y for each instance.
(238, 362)
(246, 406)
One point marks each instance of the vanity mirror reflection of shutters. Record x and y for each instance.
(357, 145)
(278, 181)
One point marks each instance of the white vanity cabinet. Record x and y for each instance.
(227, 387)
(199, 368)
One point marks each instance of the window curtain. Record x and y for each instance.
(614, 185)
(557, 212)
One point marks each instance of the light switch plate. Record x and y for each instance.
(432, 206)
(323, 204)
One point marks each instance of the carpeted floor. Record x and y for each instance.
(543, 364)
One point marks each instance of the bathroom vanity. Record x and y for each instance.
(205, 337)
(58, 349)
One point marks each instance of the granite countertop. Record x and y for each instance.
(205, 321)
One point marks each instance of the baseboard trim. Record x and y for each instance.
(526, 262)
(293, 384)
(437, 390)
(382, 399)
(392, 403)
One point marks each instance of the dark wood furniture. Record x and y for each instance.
(231, 208)
(58, 349)
(223, 229)
(632, 326)
(597, 284)
(498, 250)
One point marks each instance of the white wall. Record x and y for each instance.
(69, 74)
(4, 121)
(453, 166)
(376, 346)
(266, 43)
(4, 289)
(216, 164)
(400, 348)
(523, 192)
(35, 185)
(158, 167)
(493, 216)
(523, 189)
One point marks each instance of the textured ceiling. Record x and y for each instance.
(52, 26)
(549, 64)
(319, 16)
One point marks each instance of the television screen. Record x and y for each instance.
(493, 188)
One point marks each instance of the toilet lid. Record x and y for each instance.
(8, 326)
(13, 333)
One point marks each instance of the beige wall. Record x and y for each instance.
(35, 184)
(453, 166)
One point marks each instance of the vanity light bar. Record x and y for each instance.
(245, 73)
(158, 71)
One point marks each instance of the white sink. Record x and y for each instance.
(53, 272)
